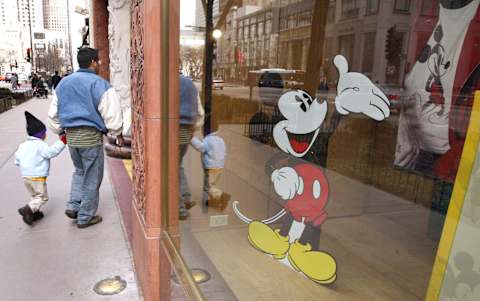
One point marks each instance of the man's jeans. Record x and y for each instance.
(185, 194)
(86, 181)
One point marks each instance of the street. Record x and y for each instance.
(266, 95)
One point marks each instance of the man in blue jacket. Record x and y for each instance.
(86, 108)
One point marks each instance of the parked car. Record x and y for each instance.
(2, 78)
(8, 76)
(22, 77)
(217, 84)
(271, 79)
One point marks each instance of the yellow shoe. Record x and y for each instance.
(269, 241)
(316, 265)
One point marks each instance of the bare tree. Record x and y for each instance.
(192, 61)
(53, 59)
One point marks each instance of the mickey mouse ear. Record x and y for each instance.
(341, 63)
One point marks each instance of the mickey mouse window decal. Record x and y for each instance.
(304, 187)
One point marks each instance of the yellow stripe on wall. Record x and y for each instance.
(456, 202)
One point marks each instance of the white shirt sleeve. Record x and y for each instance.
(17, 160)
(199, 145)
(111, 112)
(53, 122)
(54, 150)
(201, 114)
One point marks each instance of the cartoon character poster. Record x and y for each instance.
(436, 103)
(304, 187)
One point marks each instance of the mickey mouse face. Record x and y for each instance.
(304, 116)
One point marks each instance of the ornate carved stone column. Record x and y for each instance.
(141, 39)
(119, 42)
(151, 261)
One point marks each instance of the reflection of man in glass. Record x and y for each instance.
(439, 96)
(188, 115)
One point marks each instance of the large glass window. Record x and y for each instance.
(372, 7)
(328, 175)
(402, 5)
(349, 8)
(305, 19)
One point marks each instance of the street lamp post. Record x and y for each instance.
(31, 40)
(208, 64)
(69, 35)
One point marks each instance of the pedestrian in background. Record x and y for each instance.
(14, 80)
(188, 118)
(33, 157)
(34, 80)
(56, 80)
(87, 107)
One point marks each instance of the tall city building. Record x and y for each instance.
(55, 21)
(8, 14)
(199, 14)
(55, 15)
(30, 11)
(13, 39)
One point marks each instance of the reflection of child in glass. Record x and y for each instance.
(213, 152)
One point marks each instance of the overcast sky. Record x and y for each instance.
(187, 13)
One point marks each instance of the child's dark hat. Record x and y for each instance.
(35, 127)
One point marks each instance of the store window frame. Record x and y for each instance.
(169, 238)
(172, 246)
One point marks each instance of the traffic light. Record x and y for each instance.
(29, 55)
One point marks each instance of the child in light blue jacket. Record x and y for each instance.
(213, 151)
(33, 157)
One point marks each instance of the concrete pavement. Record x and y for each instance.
(54, 260)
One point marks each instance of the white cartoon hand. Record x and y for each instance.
(287, 183)
(357, 94)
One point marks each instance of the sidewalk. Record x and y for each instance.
(54, 260)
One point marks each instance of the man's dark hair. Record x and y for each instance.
(86, 55)
(56, 72)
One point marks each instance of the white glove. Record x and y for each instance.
(287, 183)
(357, 94)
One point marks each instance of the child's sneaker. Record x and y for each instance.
(37, 215)
(190, 204)
(27, 214)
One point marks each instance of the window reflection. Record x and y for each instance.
(390, 179)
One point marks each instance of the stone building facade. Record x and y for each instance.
(278, 35)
